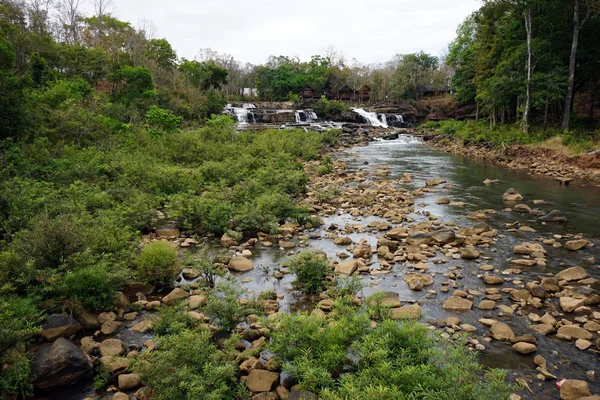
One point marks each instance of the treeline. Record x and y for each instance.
(529, 61)
(59, 67)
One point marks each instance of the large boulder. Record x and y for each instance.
(347, 267)
(228, 241)
(417, 238)
(407, 312)
(572, 274)
(574, 389)
(260, 380)
(59, 364)
(175, 295)
(59, 325)
(501, 331)
(575, 245)
(574, 332)
(443, 236)
(112, 347)
(240, 264)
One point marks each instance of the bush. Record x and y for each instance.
(224, 307)
(159, 120)
(172, 320)
(16, 378)
(390, 361)
(91, 287)
(310, 269)
(188, 365)
(158, 264)
(19, 321)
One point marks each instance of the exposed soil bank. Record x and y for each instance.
(538, 160)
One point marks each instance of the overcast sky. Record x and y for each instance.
(368, 30)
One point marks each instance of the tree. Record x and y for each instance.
(414, 72)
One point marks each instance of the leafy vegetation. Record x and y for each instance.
(158, 263)
(390, 361)
(188, 365)
(310, 269)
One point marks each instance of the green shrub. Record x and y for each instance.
(91, 287)
(16, 378)
(391, 361)
(310, 269)
(224, 307)
(172, 320)
(19, 321)
(158, 264)
(159, 120)
(188, 365)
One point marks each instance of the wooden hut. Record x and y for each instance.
(364, 93)
(308, 93)
(347, 93)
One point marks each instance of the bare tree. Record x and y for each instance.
(70, 17)
(38, 12)
(147, 28)
(102, 8)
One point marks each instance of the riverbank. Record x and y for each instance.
(539, 158)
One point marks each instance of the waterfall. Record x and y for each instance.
(298, 119)
(305, 116)
(371, 117)
(383, 119)
(241, 113)
(399, 118)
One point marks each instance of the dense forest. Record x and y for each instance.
(106, 133)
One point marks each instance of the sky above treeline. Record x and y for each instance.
(371, 31)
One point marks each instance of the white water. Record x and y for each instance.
(371, 117)
(399, 118)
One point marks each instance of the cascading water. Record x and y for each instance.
(399, 118)
(383, 119)
(243, 116)
(371, 118)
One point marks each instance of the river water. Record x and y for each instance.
(579, 202)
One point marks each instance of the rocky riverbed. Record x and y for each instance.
(469, 248)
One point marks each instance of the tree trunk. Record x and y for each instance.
(572, 60)
(525, 121)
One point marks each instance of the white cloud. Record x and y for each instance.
(370, 31)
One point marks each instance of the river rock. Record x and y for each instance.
(129, 381)
(493, 279)
(574, 389)
(574, 332)
(412, 311)
(88, 320)
(512, 195)
(342, 240)
(175, 295)
(115, 364)
(543, 329)
(59, 325)
(583, 344)
(260, 380)
(522, 208)
(417, 238)
(569, 304)
(487, 305)
(469, 253)
(572, 274)
(110, 327)
(302, 395)
(112, 347)
(58, 364)
(120, 396)
(454, 303)
(525, 348)
(553, 216)
(435, 182)
(575, 245)
(228, 241)
(143, 326)
(347, 267)
(418, 281)
(443, 237)
(196, 301)
(390, 299)
(501, 331)
(550, 284)
(240, 264)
